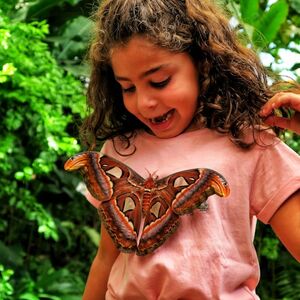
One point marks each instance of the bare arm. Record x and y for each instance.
(107, 253)
(286, 224)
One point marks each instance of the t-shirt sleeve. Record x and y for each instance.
(276, 177)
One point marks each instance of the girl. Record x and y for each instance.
(172, 89)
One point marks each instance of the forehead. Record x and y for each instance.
(139, 52)
(139, 45)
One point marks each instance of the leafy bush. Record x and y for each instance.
(41, 211)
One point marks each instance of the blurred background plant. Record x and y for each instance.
(46, 226)
(48, 231)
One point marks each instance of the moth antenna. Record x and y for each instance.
(155, 175)
(152, 175)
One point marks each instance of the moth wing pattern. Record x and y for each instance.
(194, 186)
(122, 225)
(121, 215)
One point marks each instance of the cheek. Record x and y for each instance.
(186, 97)
(130, 106)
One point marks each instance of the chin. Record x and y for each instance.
(167, 135)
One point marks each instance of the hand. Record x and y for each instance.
(287, 100)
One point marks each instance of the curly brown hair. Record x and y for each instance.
(233, 83)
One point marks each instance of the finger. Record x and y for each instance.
(292, 124)
(278, 122)
(289, 100)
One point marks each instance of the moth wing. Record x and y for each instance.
(116, 186)
(95, 178)
(121, 215)
(193, 187)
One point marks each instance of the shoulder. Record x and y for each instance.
(120, 146)
(274, 150)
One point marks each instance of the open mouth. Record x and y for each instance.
(163, 118)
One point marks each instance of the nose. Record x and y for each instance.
(146, 102)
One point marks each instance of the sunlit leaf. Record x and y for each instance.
(269, 24)
(249, 10)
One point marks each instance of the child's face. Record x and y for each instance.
(159, 87)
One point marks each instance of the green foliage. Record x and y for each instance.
(50, 284)
(34, 95)
(295, 4)
(279, 271)
(293, 141)
(249, 10)
(288, 278)
(6, 289)
(71, 29)
(37, 9)
(268, 25)
(71, 43)
(41, 106)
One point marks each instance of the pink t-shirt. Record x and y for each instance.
(211, 255)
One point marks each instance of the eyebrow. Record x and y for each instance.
(144, 74)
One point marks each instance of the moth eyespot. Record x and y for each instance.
(180, 181)
(116, 171)
(129, 204)
(155, 209)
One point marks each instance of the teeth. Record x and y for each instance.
(162, 118)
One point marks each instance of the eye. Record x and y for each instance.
(128, 90)
(161, 84)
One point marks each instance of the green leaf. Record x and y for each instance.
(295, 67)
(72, 297)
(40, 8)
(76, 35)
(10, 255)
(269, 24)
(93, 235)
(249, 10)
(28, 296)
(270, 248)
(295, 4)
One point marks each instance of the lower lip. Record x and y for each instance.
(164, 125)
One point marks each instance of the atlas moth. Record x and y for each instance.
(140, 214)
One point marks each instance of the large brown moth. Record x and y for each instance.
(140, 214)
